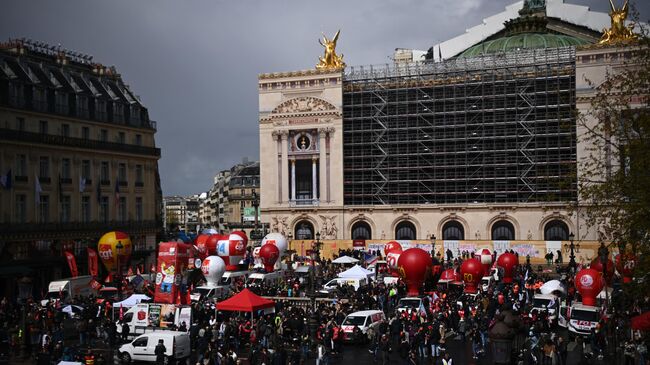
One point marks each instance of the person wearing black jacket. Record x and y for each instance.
(384, 348)
(159, 351)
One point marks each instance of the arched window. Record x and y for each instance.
(361, 231)
(304, 230)
(503, 231)
(556, 230)
(453, 230)
(405, 230)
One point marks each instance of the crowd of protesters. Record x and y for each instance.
(413, 336)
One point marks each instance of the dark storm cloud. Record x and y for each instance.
(195, 63)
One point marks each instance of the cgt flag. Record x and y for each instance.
(93, 267)
(72, 264)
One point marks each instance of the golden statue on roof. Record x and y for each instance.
(330, 60)
(618, 32)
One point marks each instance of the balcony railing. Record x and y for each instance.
(57, 230)
(30, 137)
(303, 202)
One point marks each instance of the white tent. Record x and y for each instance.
(345, 260)
(131, 301)
(356, 272)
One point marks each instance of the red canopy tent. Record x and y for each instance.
(245, 301)
(641, 322)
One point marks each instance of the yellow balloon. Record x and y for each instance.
(108, 250)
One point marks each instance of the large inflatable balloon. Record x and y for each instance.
(392, 246)
(485, 256)
(472, 272)
(108, 251)
(269, 254)
(414, 268)
(278, 240)
(201, 246)
(231, 249)
(241, 234)
(625, 264)
(211, 244)
(392, 259)
(589, 283)
(213, 268)
(507, 262)
(450, 275)
(597, 265)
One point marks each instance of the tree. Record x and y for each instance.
(614, 181)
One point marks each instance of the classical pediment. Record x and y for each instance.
(303, 104)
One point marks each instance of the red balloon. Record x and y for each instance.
(507, 261)
(450, 274)
(201, 245)
(392, 246)
(589, 283)
(269, 254)
(625, 264)
(414, 267)
(472, 272)
(597, 265)
(243, 235)
(211, 244)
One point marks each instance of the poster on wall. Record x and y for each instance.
(501, 246)
(553, 246)
(525, 249)
(451, 245)
(469, 247)
(406, 244)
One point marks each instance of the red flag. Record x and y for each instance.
(93, 267)
(72, 264)
(121, 313)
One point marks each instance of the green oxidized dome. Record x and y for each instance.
(522, 41)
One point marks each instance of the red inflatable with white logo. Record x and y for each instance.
(485, 256)
(589, 283)
(277, 239)
(507, 262)
(414, 268)
(392, 259)
(625, 264)
(201, 246)
(269, 254)
(213, 268)
(172, 264)
(471, 271)
(256, 255)
(392, 246)
(231, 249)
(597, 265)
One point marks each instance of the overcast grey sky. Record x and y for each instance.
(195, 63)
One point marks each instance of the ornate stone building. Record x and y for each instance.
(478, 145)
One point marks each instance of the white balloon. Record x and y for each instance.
(213, 268)
(278, 240)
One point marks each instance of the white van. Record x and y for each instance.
(579, 318)
(407, 303)
(364, 320)
(142, 348)
(256, 279)
(331, 285)
(545, 303)
(206, 292)
(229, 278)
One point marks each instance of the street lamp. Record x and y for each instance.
(313, 319)
(256, 204)
(573, 248)
(433, 246)
(119, 248)
(603, 253)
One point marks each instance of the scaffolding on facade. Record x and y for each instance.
(490, 129)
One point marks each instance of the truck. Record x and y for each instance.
(145, 317)
(579, 318)
(67, 289)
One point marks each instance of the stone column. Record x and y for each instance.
(314, 184)
(323, 165)
(284, 171)
(293, 179)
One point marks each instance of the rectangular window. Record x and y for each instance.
(103, 136)
(138, 209)
(122, 209)
(104, 173)
(44, 209)
(65, 208)
(121, 137)
(103, 209)
(100, 110)
(121, 172)
(40, 102)
(21, 165)
(85, 169)
(44, 167)
(20, 123)
(82, 106)
(85, 209)
(138, 140)
(61, 102)
(65, 168)
(21, 208)
(65, 130)
(118, 115)
(139, 177)
(42, 126)
(85, 132)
